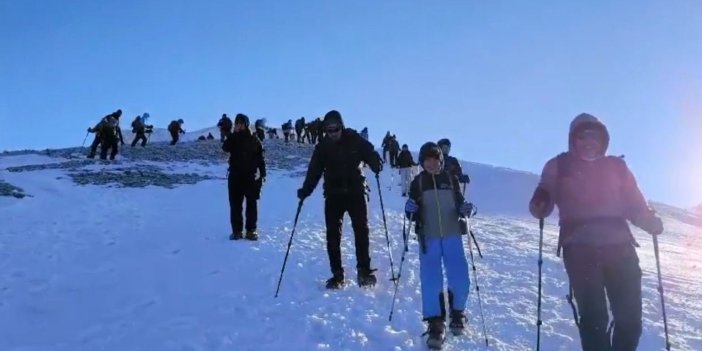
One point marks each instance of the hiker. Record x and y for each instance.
(338, 157)
(225, 127)
(176, 128)
(97, 141)
(405, 162)
(435, 204)
(247, 173)
(596, 195)
(451, 163)
(139, 129)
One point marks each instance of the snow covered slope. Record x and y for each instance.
(134, 255)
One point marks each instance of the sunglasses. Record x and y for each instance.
(332, 130)
(589, 134)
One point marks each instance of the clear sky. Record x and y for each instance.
(501, 79)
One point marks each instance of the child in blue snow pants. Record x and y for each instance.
(436, 204)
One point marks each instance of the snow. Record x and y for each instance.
(108, 267)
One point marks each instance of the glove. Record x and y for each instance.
(411, 206)
(302, 194)
(540, 205)
(465, 209)
(651, 224)
(90, 130)
(377, 168)
(464, 179)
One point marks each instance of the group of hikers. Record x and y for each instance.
(108, 133)
(597, 195)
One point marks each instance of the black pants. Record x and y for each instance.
(334, 208)
(393, 158)
(174, 138)
(223, 134)
(106, 146)
(298, 132)
(241, 188)
(139, 136)
(615, 270)
(287, 136)
(261, 134)
(385, 158)
(94, 145)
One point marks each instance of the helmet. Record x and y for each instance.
(443, 142)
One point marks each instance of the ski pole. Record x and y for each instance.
(472, 236)
(660, 290)
(404, 231)
(399, 274)
(477, 289)
(297, 215)
(538, 308)
(84, 139)
(385, 224)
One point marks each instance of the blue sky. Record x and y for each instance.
(501, 79)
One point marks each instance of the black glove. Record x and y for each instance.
(540, 205)
(302, 194)
(464, 179)
(377, 167)
(651, 224)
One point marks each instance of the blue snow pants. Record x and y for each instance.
(449, 250)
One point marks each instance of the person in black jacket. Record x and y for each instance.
(339, 157)
(139, 129)
(405, 164)
(247, 173)
(225, 126)
(97, 141)
(451, 164)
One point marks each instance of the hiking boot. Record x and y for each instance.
(436, 330)
(335, 282)
(251, 235)
(236, 236)
(457, 325)
(366, 277)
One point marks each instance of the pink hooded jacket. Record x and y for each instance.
(594, 198)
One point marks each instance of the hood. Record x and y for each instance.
(583, 121)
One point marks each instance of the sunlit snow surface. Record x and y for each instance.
(143, 262)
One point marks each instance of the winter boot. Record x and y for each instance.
(335, 282)
(236, 236)
(457, 326)
(437, 333)
(251, 235)
(366, 277)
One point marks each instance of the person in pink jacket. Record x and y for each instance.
(596, 195)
